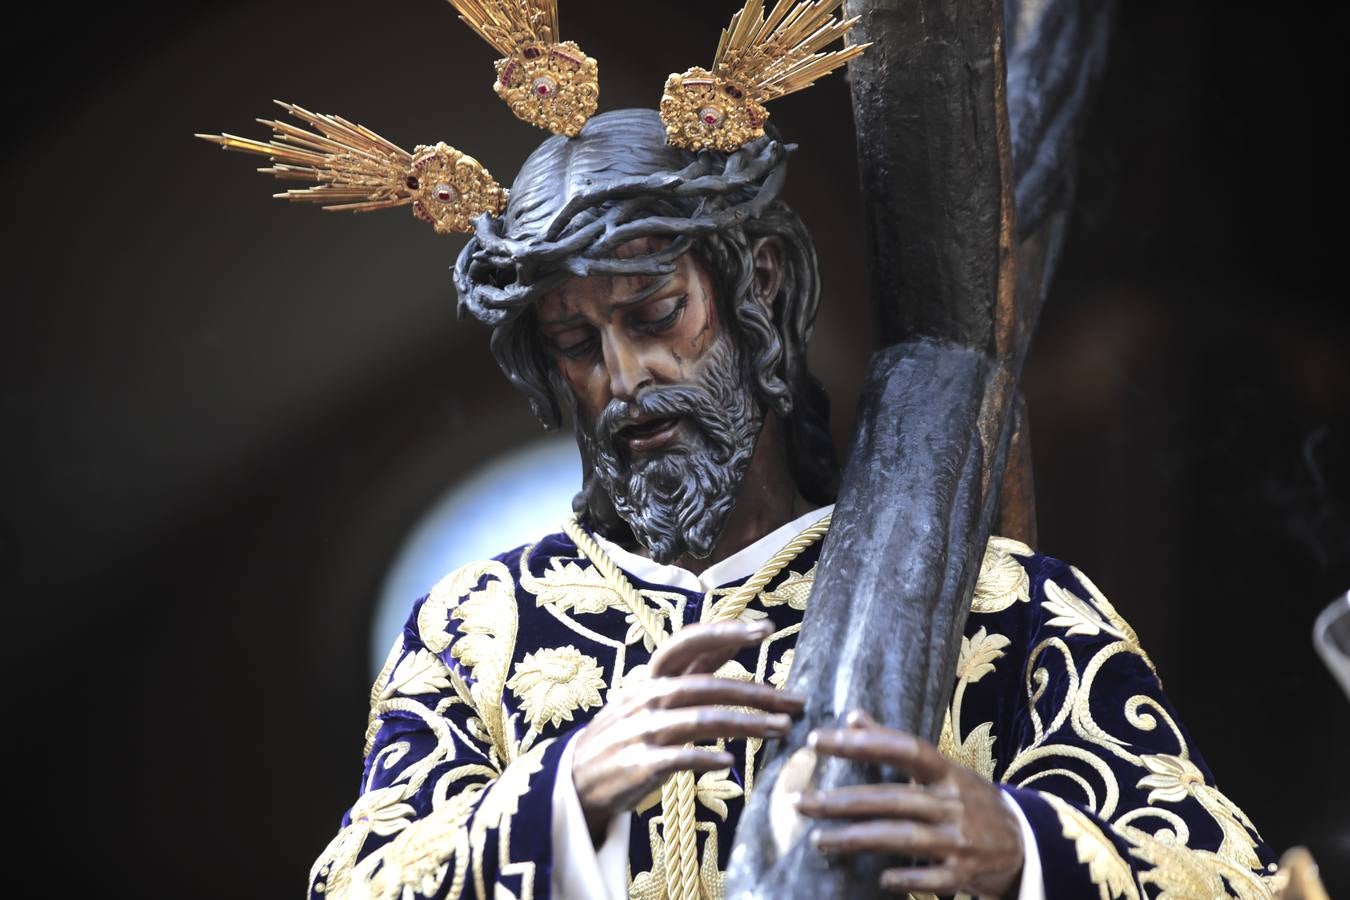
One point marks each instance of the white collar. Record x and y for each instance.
(741, 564)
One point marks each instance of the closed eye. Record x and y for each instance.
(574, 343)
(659, 315)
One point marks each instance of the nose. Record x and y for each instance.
(626, 367)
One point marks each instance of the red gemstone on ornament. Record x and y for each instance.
(445, 193)
(543, 90)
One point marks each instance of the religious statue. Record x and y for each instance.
(587, 716)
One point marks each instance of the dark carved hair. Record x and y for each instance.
(576, 200)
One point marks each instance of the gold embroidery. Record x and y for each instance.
(1077, 616)
(555, 682)
(487, 639)
(682, 879)
(1173, 779)
(715, 788)
(1002, 580)
(794, 590)
(421, 672)
(1123, 627)
(782, 668)
(419, 858)
(372, 722)
(1181, 873)
(1108, 871)
(975, 750)
(568, 588)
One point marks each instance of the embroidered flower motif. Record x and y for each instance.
(1108, 871)
(1172, 779)
(569, 587)
(715, 789)
(978, 654)
(1002, 580)
(553, 683)
(782, 668)
(383, 811)
(795, 590)
(420, 672)
(1074, 614)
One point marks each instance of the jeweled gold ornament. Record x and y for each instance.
(359, 171)
(759, 58)
(545, 82)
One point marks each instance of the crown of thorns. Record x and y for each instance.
(554, 85)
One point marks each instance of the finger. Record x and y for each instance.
(879, 801)
(859, 718)
(878, 744)
(665, 761)
(929, 879)
(709, 723)
(709, 690)
(888, 836)
(705, 647)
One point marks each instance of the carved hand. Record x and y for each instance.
(638, 739)
(950, 815)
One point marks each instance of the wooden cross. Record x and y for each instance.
(966, 216)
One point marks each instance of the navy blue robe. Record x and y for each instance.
(506, 659)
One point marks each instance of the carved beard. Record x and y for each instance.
(677, 500)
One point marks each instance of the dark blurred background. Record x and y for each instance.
(223, 415)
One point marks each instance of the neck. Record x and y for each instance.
(767, 499)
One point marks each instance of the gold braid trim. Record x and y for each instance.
(679, 793)
(731, 608)
(645, 616)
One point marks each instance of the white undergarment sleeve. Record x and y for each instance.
(1033, 884)
(580, 872)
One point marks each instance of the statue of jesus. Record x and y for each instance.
(584, 716)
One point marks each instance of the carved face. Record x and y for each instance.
(665, 412)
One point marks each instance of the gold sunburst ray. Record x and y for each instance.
(354, 169)
(760, 57)
(546, 81)
(503, 24)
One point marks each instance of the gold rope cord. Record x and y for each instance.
(678, 794)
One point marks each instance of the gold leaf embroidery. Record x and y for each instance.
(1075, 615)
(555, 682)
(795, 590)
(782, 668)
(734, 670)
(421, 672)
(1181, 873)
(419, 858)
(1115, 618)
(569, 587)
(978, 653)
(1173, 779)
(976, 751)
(715, 788)
(486, 641)
(383, 811)
(1002, 580)
(1108, 871)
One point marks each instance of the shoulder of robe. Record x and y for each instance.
(1052, 594)
(491, 581)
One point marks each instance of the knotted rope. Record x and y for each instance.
(679, 793)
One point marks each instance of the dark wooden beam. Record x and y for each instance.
(957, 293)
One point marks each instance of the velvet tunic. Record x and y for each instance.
(502, 664)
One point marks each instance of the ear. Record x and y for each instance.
(767, 254)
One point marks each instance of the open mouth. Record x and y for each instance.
(650, 434)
